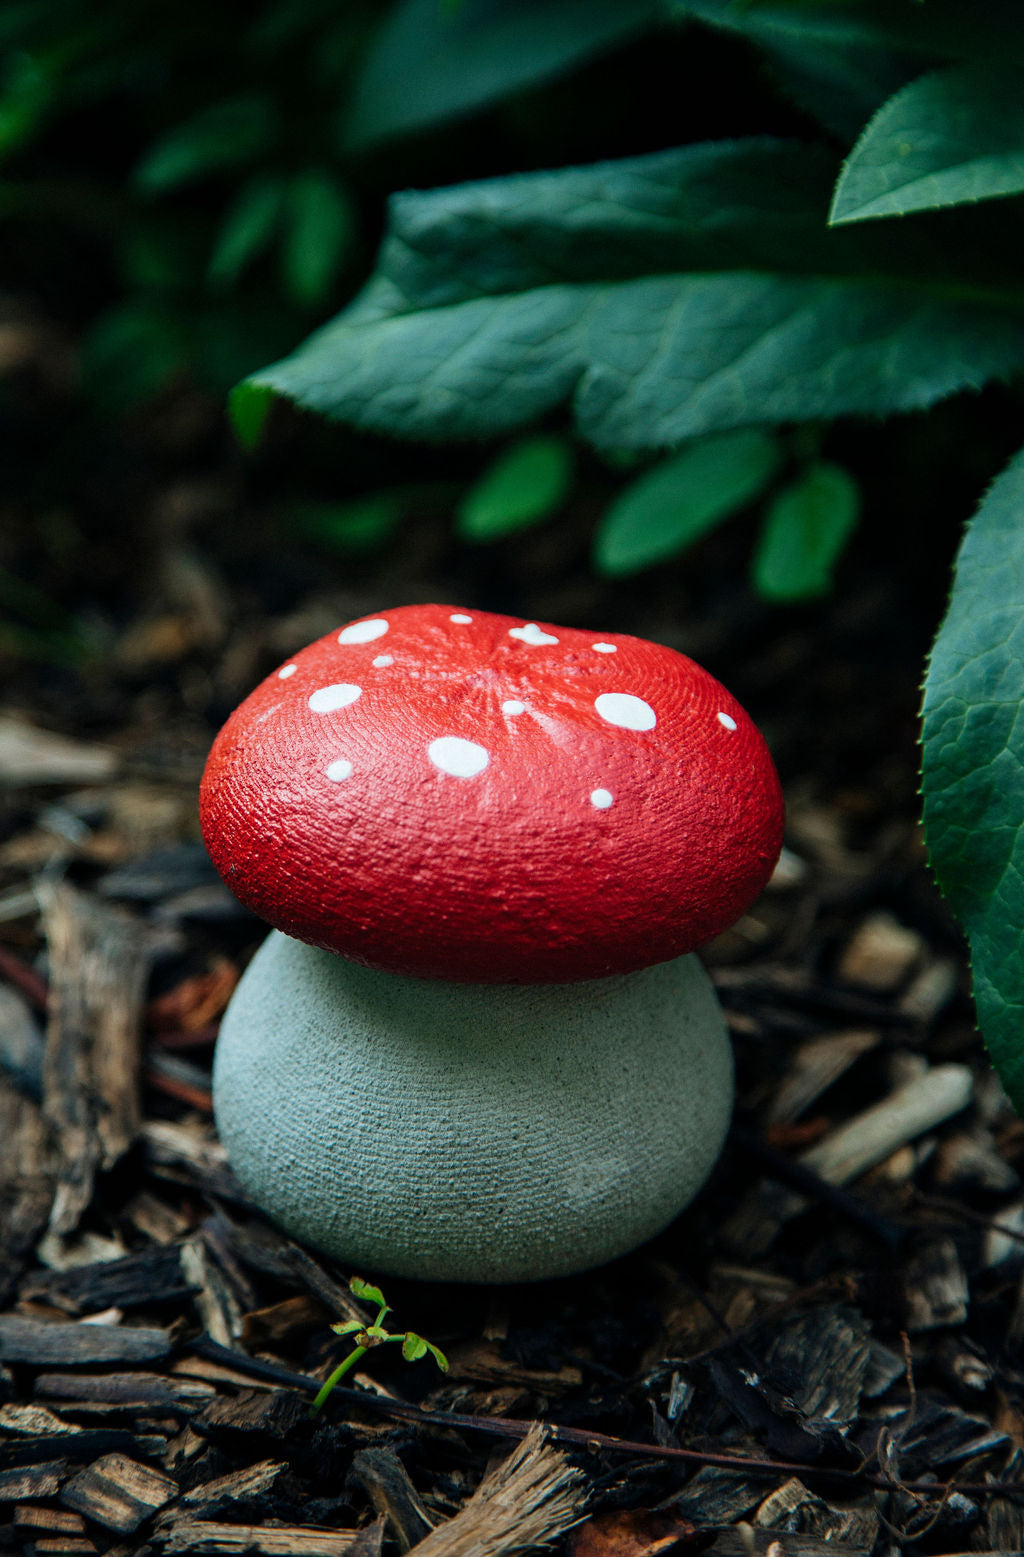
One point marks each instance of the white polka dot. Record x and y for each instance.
(623, 709)
(462, 759)
(339, 770)
(363, 632)
(384, 659)
(727, 720)
(461, 618)
(513, 707)
(601, 798)
(531, 633)
(326, 699)
(605, 648)
(286, 671)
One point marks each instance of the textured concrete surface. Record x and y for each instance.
(473, 1132)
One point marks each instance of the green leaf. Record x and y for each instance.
(840, 62)
(681, 499)
(224, 136)
(319, 228)
(30, 85)
(132, 352)
(246, 229)
(350, 1327)
(934, 30)
(438, 1356)
(353, 528)
(525, 484)
(973, 765)
(431, 62)
(657, 297)
(249, 406)
(413, 1347)
(804, 532)
(370, 1294)
(948, 138)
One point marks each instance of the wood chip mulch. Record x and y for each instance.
(822, 1355)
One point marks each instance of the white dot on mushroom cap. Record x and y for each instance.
(286, 671)
(625, 710)
(462, 759)
(326, 699)
(512, 706)
(460, 617)
(727, 720)
(384, 659)
(605, 648)
(342, 769)
(363, 632)
(601, 798)
(531, 633)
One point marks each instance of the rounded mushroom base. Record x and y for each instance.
(470, 1132)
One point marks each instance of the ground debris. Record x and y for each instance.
(798, 1511)
(50, 1342)
(98, 965)
(838, 1327)
(118, 1493)
(527, 1501)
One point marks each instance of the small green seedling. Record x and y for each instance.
(368, 1336)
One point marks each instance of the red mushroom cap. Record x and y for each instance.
(452, 794)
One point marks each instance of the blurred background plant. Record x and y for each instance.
(671, 266)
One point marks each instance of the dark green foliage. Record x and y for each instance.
(433, 61)
(974, 764)
(950, 137)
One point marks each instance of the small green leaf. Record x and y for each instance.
(246, 229)
(224, 136)
(377, 1333)
(525, 484)
(949, 137)
(350, 1327)
(132, 353)
(973, 765)
(30, 86)
(413, 1347)
(249, 406)
(362, 1289)
(438, 1356)
(804, 532)
(319, 226)
(353, 529)
(682, 498)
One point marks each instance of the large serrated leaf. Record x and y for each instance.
(657, 296)
(949, 137)
(973, 765)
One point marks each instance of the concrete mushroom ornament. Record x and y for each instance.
(482, 1049)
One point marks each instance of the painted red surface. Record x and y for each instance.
(527, 846)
